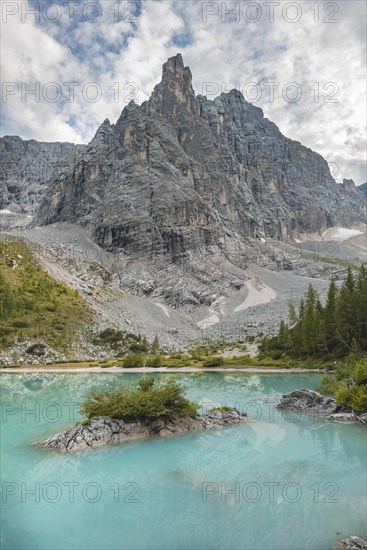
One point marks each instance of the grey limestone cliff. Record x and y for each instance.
(180, 172)
(27, 167)
(185, 188)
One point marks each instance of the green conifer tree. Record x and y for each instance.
(155, 347)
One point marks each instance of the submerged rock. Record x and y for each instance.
(103, 430)
(351, 543)
(343, 417)
(308, 401)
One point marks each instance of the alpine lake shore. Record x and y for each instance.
(104, 430)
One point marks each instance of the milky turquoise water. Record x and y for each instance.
(280, 482)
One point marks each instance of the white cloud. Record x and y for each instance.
(226, 53)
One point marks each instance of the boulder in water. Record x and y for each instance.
(308, 401)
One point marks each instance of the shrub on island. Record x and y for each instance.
(145, 403)
(222, 409)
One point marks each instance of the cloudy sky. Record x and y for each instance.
(68, 65)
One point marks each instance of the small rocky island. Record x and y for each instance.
(127, 414)
(311, 401)
(103, 430)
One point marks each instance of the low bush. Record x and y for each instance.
(178, 363)
(177, 355)
(36, 349)
(154, 362)
(21, 324)
(134, 361)
(110, 335)
(213, 362)
(222, 409)
(144, 403)
(349, 385)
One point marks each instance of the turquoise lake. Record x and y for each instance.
(280, 481)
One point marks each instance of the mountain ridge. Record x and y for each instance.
(176, 135)
(184, 186)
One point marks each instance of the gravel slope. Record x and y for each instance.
(67, 253)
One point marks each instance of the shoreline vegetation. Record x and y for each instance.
(239, 363)
(120, 370)
(185, 363)
(345, 378)
(335, 331)
(329, 338)
(208, 356)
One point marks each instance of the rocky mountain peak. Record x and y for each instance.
(174, 69)
(175, 92)
(181, 182)
(349, 185)
(103, 134)
(234, 93)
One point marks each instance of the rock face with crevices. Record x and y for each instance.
(184, 187)
(180, 171)
(26, 169)
(103, 430)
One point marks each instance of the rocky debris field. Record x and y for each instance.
(254, 307)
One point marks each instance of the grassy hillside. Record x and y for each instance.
(33, 306)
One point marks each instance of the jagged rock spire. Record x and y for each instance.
(175, 89)
(174, 69)
(103, 134)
